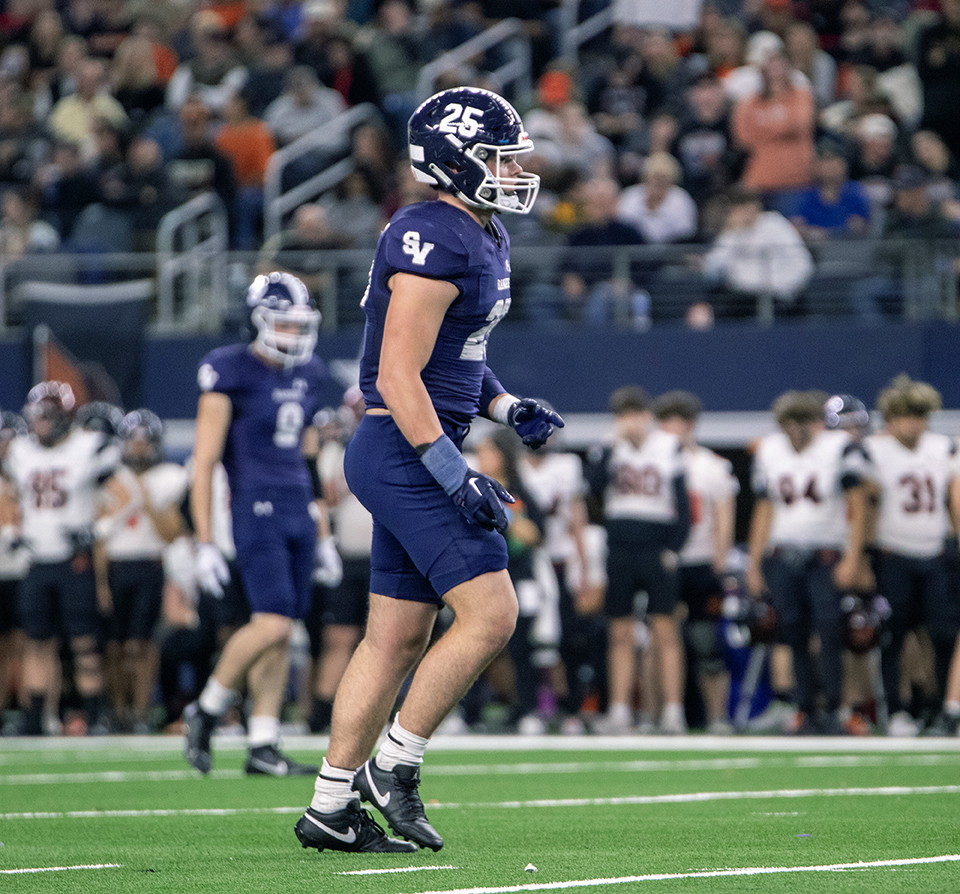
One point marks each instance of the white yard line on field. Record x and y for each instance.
(113, 776)
(59, 868)
(525, 769)
(709, 873)
(683, 798)
(387, 871)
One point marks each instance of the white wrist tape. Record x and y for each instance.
(502, 406)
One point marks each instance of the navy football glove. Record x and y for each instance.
(533, 422)
(480, 499)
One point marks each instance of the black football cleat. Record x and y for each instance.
(199, 728)
(268, 760)
(350, 829)
(394, 793)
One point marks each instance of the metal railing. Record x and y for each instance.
(515, 73)
(574, 34)
(864, 279)
(191, 246)
(332, 138)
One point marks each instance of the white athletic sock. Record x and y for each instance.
(952, 708)
(333, 789)
(400, 747)
(216, 698)
(619, 712)
(263, 730)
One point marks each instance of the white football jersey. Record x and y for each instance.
(913, 517)
(640, 478)
(555, 482)
(221, 516)
(710, 479)
(14, 562)
(59, 488)
(136, 538)
(352, 523)
(809, 509)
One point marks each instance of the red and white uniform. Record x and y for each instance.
(59, 488)
(352, 523)
(806, 488)
(555, 483)
(710, 479)
(136, 537)
(912, 518)
(640, 479)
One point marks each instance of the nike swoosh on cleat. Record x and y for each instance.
(347, 838)
(280, 769)
(381, 800)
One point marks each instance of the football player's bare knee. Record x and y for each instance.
(486, 609)
(399, 628)
(272, 629)
(621, 632)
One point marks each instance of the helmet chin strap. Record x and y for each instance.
(451, 187)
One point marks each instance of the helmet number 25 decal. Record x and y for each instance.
(461, 120)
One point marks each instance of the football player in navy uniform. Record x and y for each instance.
(439, 283)
(254, 402)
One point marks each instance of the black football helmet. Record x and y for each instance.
(50, 411)
(142, 434)
(101, 416)
(755, 616)
(863, 617)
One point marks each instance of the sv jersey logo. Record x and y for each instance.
(347, 837)
(412, 247)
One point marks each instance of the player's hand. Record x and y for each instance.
(211, 571)
(81, 539)
(533, 422)
(329, 567)
(480, 500)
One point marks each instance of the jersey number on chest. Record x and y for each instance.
(791, 491)
(475, 347)
(286, 433)
(48, 490)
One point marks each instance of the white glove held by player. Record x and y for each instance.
(211, 571)
(329, 570)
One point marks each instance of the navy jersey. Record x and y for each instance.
(439, 241)
(271, 404)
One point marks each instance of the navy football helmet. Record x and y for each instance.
(49, 411)
(461, 140)
(285, 317)
(142, 434)
(846, 412)
(100, 416)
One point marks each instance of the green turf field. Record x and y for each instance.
(621, 815)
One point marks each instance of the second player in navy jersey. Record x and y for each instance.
(254, 402)
(439, 284)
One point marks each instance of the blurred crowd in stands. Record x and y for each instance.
(772, 127)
